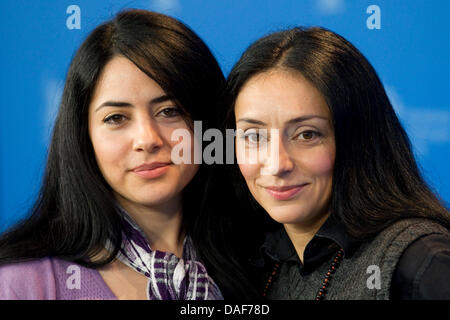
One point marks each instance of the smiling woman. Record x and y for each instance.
(337, 177)
(131, 121)
(116, 218)
(304, 154)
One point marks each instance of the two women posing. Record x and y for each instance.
(341, 192)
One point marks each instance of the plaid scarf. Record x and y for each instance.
(169, 277)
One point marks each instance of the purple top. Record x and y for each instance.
(52, 279)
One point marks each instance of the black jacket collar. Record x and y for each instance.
(277, 246)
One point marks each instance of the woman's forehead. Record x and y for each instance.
(280, 95)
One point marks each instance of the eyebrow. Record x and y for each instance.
(156, 100)
(295, 120)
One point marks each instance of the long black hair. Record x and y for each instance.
(376, 179)
(75, 211)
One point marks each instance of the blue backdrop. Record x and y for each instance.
(406, 41)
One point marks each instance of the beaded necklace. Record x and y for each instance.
(325, 283)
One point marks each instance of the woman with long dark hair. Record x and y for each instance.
(116, 216)
(321, 151)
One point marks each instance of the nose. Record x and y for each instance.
(147, 136)
(279, 161)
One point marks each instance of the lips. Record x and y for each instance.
(151, 170)
(284, 193)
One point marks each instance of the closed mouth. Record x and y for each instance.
(285, 192)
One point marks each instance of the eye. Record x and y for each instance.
(253, 137)
(169, 112)
(114, 119)
(308, 135)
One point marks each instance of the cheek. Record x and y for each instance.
(180, 140)
(249, 171)
(183, 140)
(247, 159)
(250, 174)
(320, 164)
(178, 178)
(109, 149)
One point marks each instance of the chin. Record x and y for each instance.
(288, 215)
(156, 201)
(150, 198)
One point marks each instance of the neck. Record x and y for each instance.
(301, 234)
(161, 224)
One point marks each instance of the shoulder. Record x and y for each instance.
(389, 247)
(33, 279)
(423, 269)
(39, 279)
(414, 228)
(398, 238)
(393, 240)
(51, 279)
(390, 243)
